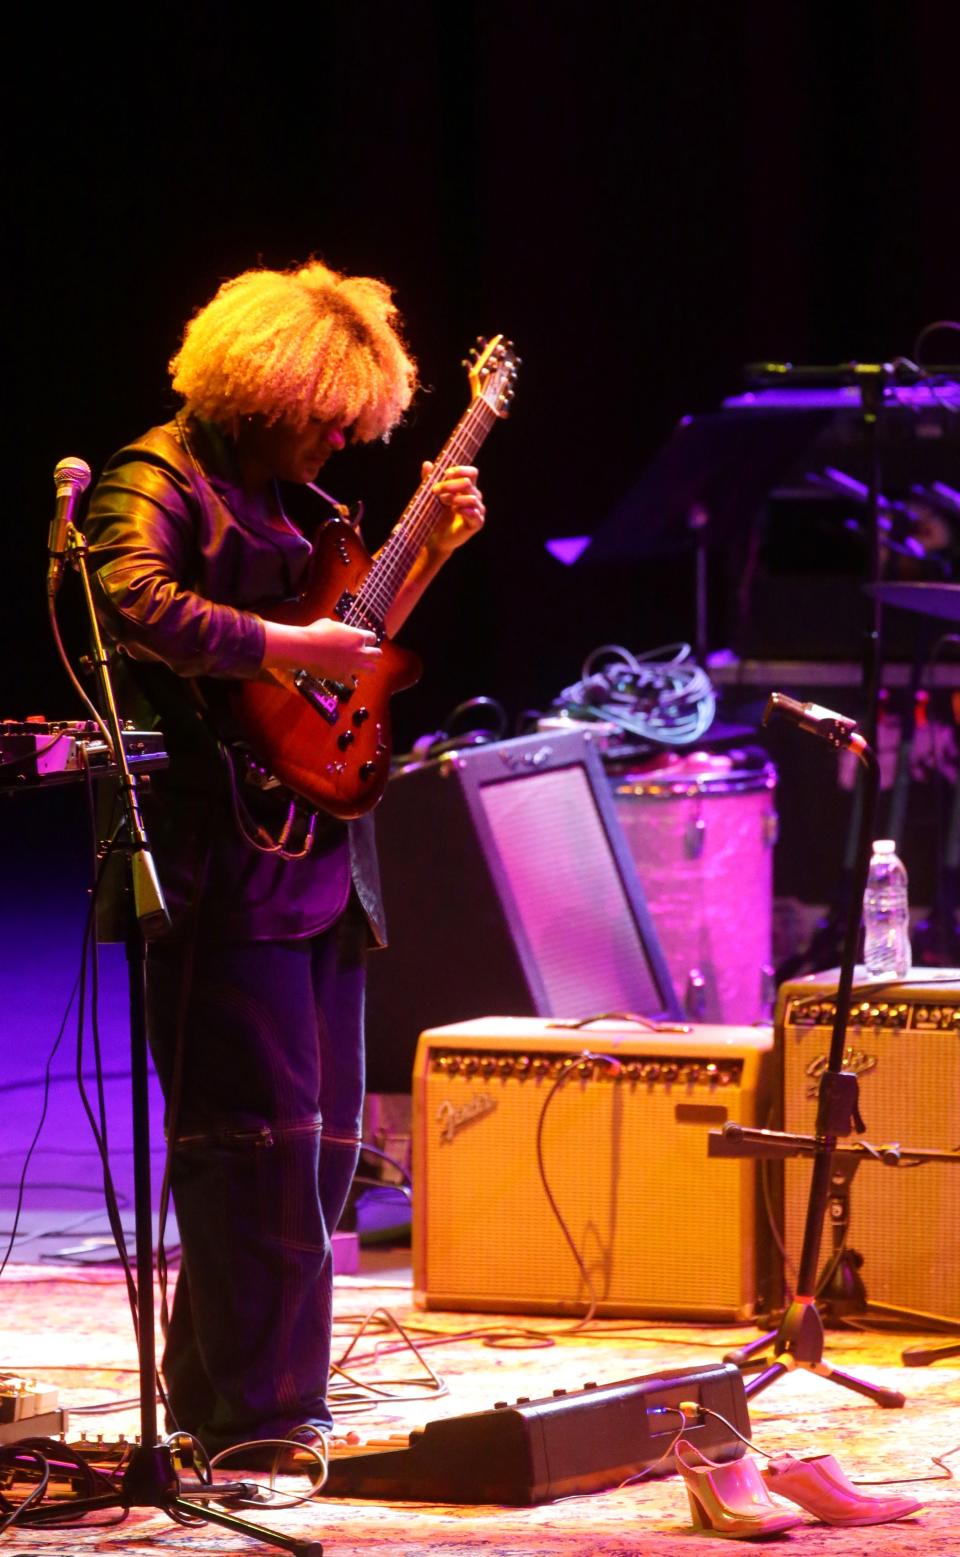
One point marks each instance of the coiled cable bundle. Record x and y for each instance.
(662, 696)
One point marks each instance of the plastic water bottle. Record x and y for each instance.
(886, 914)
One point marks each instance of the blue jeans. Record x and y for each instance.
(267, 1141)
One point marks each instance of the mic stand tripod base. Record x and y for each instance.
(152, 1480)
(798, 1343)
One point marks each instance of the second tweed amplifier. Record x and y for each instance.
(903, 1043)
(520, 1122)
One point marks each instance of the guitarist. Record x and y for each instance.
(255, 997)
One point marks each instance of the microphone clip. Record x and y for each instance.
(836, 729)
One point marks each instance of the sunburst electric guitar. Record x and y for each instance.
(329, 740)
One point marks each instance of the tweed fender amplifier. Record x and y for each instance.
(662, 1230)
(903, 1042)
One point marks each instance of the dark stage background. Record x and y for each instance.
(644, 196)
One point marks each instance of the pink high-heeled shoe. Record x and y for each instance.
(729, 1499)
(819, 1485)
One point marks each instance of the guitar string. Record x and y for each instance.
(414, 526)
(399, 550)
(378, 590)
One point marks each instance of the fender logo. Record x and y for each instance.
(451, 1119)
(856, 1060)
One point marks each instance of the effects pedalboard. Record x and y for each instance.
(29, 1409)
(38, 751)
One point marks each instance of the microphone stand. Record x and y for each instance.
(798, 1342)
(151, 1477)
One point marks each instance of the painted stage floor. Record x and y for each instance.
(71, 1328)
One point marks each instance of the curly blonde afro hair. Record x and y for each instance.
(298, 344)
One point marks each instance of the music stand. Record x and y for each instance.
(703, 488)
(151, 1478)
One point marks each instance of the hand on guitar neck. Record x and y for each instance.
(327, 647)
(321, 722)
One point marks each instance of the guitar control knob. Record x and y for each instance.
(345, 740)
(360, 715)
(367, 770)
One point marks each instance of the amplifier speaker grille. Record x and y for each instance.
(662, 1229)
(904, 1043)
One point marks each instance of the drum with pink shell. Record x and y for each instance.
(701, 829)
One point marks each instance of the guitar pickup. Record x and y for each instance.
(323, 696)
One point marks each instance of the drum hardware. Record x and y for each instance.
(701, 828)
(686, 496)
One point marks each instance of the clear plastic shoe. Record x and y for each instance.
(818, 1484)
(730, 1499)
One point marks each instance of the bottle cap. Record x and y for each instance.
(885, 846)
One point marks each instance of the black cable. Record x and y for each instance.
(570, 1068)
(13, 1512)
(858, 1481)
(43, 1117)
(924, 335)
(109, 1190)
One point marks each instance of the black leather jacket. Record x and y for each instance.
(180, 562)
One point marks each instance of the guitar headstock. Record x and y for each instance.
(492, 370)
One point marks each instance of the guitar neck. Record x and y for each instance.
(393, 565)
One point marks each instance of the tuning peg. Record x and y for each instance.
(481, 341)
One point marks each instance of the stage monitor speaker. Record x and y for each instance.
(509, 887)
(903, 1043)
(662, 1230)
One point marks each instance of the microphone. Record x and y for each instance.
(71, 479)
(835, 728)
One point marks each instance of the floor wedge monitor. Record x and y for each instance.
(509, 887)
(534, 1138)
(903, 1043)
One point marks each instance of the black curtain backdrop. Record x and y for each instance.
(644, 196)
